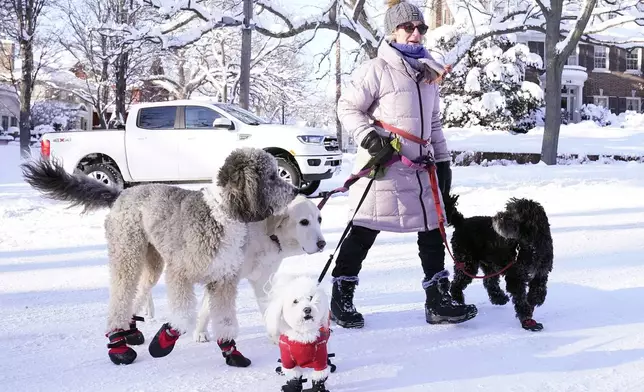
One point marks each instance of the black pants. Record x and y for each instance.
(360, 239)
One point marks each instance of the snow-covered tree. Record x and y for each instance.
(564, 23)
(487, 86)
(58, 115)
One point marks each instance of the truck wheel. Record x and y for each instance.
(105, 173)
(307, 188)
(288, 172)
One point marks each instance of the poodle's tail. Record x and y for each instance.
(51, 179)
(454, 218)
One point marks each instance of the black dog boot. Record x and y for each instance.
(342, 310)
(233, 357)
(318, 386)
(163, 342)
(293, 385)
(120, 353)
(135, 337)
(440, 308)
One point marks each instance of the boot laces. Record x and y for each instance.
(346, 296)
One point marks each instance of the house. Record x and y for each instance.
(9, 103)
(605, 76)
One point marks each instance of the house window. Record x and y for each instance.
(573, 59)
(14, 122)
(446, 16)
(5, 123)
(633, 104)
(601, 57)
(633, 60)
(601, 101)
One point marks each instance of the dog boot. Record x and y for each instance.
(120, 353)
(135, 337)
(318, 386)
(233, 357)
(440, 308)
(163, 342)
(293, 385)
(342, 310)
(531, 325)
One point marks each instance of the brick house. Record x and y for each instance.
(608, 77)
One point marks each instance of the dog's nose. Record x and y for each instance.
(307, 310)
(321, 244)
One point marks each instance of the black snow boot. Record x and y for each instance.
(440, 308)
(293, 385)
(342, 310)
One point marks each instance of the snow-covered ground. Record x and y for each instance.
(625, 136)
(53, 296)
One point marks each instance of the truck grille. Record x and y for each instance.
(331, 143)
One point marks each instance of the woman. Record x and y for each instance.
(399, 88)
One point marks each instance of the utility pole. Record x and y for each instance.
(338, 76)
(244, 75)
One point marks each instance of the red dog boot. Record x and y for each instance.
(233, 357)
(135, 337)
(531, 325)
(163, 342)
(120, 353)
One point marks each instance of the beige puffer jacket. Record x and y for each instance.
(386, 88)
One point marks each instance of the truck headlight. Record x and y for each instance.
(308, 139)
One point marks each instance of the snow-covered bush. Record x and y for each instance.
(599, 114)
(57, 115)
(487, 87)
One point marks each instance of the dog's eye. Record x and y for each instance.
(295, 301)
(311, 298)
(273, 177)
(304, 222)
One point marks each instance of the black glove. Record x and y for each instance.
(444, 173)
(378, 147)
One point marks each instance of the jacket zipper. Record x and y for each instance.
(420, 148)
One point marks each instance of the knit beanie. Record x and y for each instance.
(400, 12)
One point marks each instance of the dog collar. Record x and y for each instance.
(276, 240)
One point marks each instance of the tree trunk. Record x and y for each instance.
(244, 74)
(26, 90)
(338, 90)
(553, 116)
(121, 86)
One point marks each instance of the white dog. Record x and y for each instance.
(295, 231)
(298, 313)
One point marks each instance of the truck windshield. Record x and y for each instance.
(242, 115)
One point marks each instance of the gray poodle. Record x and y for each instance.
(198, 235)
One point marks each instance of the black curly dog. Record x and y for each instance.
(491, 243)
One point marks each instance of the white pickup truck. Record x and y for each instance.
(186, 141)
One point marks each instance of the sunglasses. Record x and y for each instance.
(409, 28)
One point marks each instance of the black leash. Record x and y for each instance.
(346, 231)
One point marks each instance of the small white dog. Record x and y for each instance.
(298, 313)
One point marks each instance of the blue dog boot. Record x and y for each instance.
(440, 307)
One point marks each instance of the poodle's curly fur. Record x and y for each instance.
(199, 236)
(490, 243)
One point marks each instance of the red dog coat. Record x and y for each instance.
(305, 355)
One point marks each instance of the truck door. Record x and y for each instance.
(207, 138)
(151, 144)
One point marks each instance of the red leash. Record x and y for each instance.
(433, 180)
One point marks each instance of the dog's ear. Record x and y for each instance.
(274, 221)
(273, 317)
(239, 181)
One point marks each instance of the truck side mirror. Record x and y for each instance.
(222, 122)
